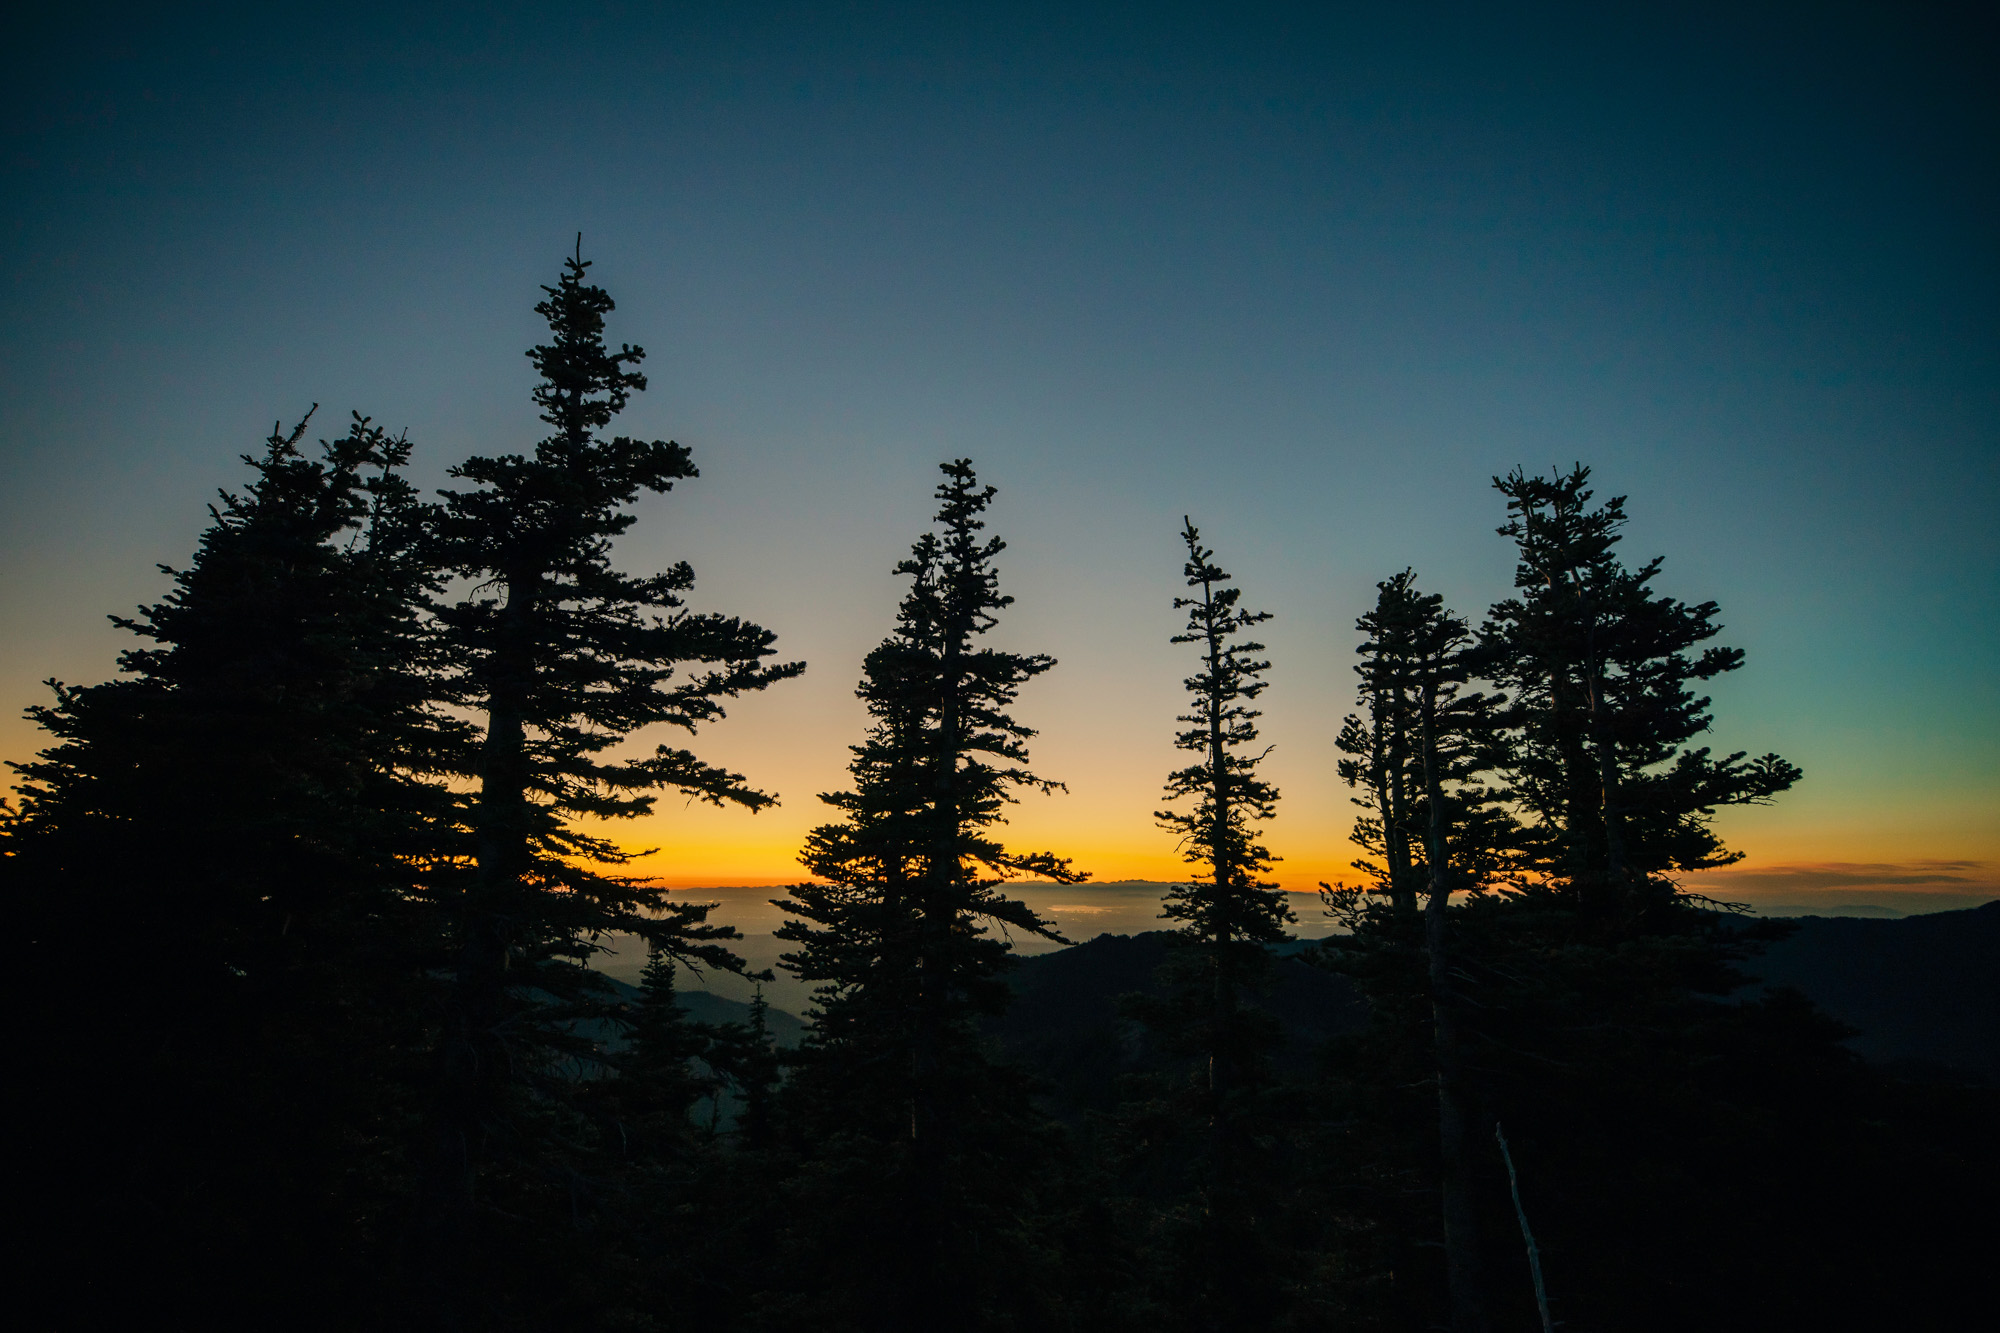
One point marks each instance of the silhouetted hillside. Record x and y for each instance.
(703, 1007)
(1064, 1021)
(1922, 990)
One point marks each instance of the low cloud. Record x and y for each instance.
(1896, 887)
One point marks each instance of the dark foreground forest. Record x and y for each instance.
(339, 1057)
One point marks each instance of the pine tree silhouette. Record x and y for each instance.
(236, 824)
(1601, 671)
(1421, 755)
(745, 1055)
(1384, 753)
(562, 658)
(658, 1085)
(898, 933)
(1230, 917)
(1578, 1003)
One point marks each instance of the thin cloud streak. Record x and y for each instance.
(1876, 887)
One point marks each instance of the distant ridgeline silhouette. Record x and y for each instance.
(343, 1054)
(1920, 992)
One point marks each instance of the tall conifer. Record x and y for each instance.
(1596, 979)
(1380, 746)
(1602, 672)
(657, 1084)
(238, 827)
(754, 1069)
(1437, 653)
(562, 658)
(1229, 917)
(1419, 754)
(898, 933)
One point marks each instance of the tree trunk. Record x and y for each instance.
(1221, 1205)
(1461, 1227)
(470, 1061)
(932, 1128)
(1607, 761)
(1391, 778)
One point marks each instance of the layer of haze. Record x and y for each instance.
(1310, 275)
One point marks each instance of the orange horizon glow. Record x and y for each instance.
(1775, 879)
(1832, 838)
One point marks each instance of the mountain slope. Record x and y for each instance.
(1064, 1021)
(1923, 990)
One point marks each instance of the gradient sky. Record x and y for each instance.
(1310, 274)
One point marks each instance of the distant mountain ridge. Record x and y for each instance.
(703, 1007)
(1923, 993)
(1921, 990)
(1064, 1020)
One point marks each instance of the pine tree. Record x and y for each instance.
(745, 1058)
(1601, 671)
(1439, 672)
(756, 1071)
(1594, 1003)
(1230, 917)
(657, 1084)
(237, 825)
(1597, 977)
(1380, 750)
(562, 658)
(1421, 753)
(897, 930)
(1385, 754)
(1585, 982)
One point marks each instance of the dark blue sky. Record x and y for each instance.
(1309, 274)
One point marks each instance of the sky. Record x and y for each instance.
(1309, 274)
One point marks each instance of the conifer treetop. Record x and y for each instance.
(911, 875)
(1602, 672)
(1229, 797)
(584, 384)
(943, 756)
(613, 652)
(565, 656)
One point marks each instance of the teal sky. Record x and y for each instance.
(1310, 274)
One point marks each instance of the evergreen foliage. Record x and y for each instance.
(1574, 999)
(338, 1056)
(657, 1084)
(563, 658)
(1229, 908)
(240, 826)
(1230, 917)
(917, 1125)
(1418, 756)
(748, 1060)
(1602, 672)
(1409, 652)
